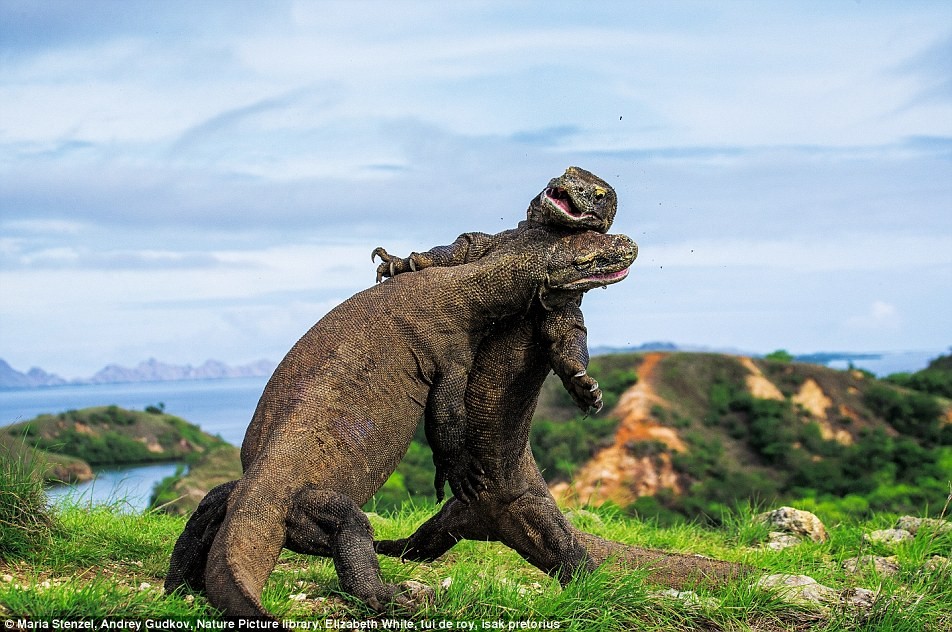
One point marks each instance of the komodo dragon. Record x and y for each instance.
(515, 506)
(340, 410)
(577, 199)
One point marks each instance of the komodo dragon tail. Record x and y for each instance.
(245, 550)
(677, 570)
(187, 564)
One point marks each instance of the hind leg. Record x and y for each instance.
(454, 522)
(190, 555)
(535, 528)
(329, 523)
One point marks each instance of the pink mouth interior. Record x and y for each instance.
(609, 277)
(560, 199)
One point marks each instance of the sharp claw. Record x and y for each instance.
(391, 269)
(412, 265)
(580, 373)
(598, 408)
(594, 388)
(379, 276)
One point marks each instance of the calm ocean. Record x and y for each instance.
(220, 407)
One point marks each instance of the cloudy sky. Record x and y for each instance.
(193, 180)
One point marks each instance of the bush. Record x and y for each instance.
(561, 446)
(915, 414)
(780, 355)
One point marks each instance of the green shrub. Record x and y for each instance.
(559, 447)
(916, 414)
(780, 355)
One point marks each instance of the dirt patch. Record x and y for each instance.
(757, 383)
(816, 402)
(617, 473)
(813, 399)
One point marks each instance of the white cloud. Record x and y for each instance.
(881, 316)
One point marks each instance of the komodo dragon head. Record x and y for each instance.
(576, 199)
(583, 261)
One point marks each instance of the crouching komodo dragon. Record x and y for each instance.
(340, 410)
(514, 505)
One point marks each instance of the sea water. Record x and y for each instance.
(220, 407)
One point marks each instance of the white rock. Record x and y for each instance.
(937, 563)
(795, 521)
(859, 598)
(800, 589)
(779, 540)
(688, 597)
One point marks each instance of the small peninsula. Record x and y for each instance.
(70, 443)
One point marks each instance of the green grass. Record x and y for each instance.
(100, 562)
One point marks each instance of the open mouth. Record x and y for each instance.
(600, 279)
(559, 198)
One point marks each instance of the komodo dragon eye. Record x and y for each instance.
(600, 193)
(584, 264)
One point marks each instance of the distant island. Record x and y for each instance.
(150, 370)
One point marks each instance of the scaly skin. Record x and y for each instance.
(340, 410)
(514, 505)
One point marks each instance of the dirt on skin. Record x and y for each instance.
(618, 473)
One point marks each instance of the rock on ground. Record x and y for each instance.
(795, 521)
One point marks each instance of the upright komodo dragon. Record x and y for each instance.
(340, 410)
(515, 506)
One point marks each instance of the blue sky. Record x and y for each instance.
(189, 180)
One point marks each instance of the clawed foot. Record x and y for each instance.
(466, 478)
(584, 390)
(412, 596)
(392, 266)
(404, 598)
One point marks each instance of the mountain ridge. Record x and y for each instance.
(150, 370)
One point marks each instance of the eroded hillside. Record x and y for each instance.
(702, 429)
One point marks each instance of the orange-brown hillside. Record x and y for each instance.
(692, 417)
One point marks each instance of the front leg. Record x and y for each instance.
(467, 247)
(564, 331)
(392, 266)
(445, 425)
